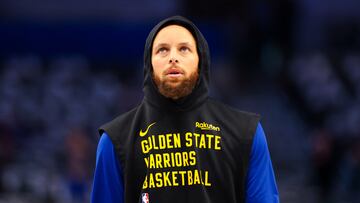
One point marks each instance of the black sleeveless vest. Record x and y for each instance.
(198, 156)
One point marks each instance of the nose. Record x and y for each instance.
(173, 57)
(173, 60)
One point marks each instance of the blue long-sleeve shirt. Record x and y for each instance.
(108, 186)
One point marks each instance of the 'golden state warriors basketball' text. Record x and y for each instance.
(177, 166)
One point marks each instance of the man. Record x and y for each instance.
(179, 145)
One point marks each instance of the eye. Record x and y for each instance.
(184, 49)
(162, 50)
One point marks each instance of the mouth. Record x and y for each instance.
(174, 72)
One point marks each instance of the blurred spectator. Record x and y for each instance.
(351, 67)
(317, 83)
(7, 150)
(348, 179)
(78, 148)
(323, 161)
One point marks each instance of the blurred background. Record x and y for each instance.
(66, 67)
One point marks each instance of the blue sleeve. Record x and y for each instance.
(261, 185)
(108, 184)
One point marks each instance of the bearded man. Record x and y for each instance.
(179, 145)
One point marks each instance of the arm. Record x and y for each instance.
(261, 185)
(108, 184)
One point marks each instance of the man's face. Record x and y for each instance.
(175, 61)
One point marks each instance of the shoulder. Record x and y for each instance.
(259, 146)
(233, 112)
(238, 122)
(104, 143)
(119, 122)
(119, 128)
(105, 154)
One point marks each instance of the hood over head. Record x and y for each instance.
(200, 91)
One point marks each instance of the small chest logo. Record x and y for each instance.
(142, 134)
(206, 126)
(145, 198)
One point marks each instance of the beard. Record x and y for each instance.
(177, 87)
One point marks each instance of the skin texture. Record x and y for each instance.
(175, 61)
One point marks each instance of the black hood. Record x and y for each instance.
(200, 91)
